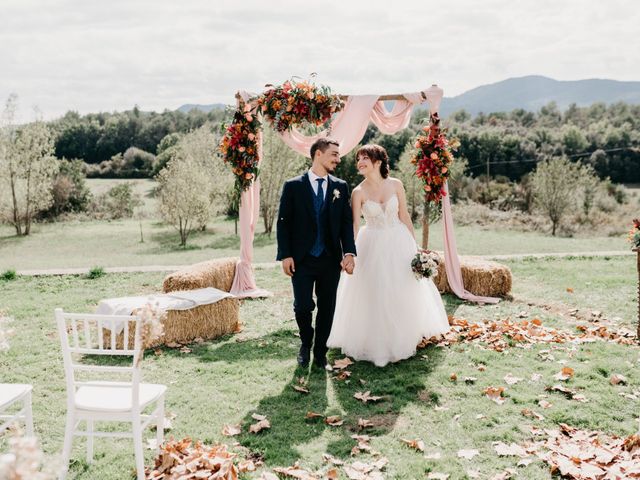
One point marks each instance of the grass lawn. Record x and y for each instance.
(225, 381)
(117, 243)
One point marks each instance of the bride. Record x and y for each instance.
(382, 311)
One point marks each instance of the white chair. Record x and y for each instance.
(10, 395)
(95, 400)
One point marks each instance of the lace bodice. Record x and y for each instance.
(381, 215)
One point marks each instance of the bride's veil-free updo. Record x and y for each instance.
(376, 153)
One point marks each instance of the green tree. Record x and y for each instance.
(278, 164)
(555, 183)
(195, 183)
(27, 170)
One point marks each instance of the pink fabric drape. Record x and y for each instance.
(451, 260)
(244, 283)
(348, 128)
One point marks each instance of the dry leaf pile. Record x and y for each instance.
(184, 460)
(497, 335)
(586, 455)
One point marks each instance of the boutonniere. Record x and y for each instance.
(336, 194)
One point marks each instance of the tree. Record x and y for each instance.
(555, 184)
(405, 171)
(589, 185)
(195, 183)
(27, 170)
(279, 163)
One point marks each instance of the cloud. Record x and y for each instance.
(96, 56)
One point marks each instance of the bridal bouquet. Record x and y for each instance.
(634, 233)
(425, 264)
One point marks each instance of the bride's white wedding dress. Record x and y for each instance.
(382, 310)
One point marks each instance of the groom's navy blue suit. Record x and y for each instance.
(316, 231)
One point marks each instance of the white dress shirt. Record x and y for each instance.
(314, 184)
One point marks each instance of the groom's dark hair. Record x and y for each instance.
(322, 144)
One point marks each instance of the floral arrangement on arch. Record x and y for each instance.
(284, 106)
(432, 158)
(634, 233)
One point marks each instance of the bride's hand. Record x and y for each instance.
(348, 264)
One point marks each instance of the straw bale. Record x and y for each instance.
(217, 273)
(480, 277)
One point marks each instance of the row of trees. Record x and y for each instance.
(505, 143)
(98, 137)
(194, 183)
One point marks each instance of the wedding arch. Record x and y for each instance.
(347, 117)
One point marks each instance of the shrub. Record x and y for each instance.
(9, 275)
(70, 191)
(134, 163)
(96, 272)
(119, 202)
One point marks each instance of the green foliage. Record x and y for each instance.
(96, 272)
(8, 275)
(516, 141)
(194, 184)
(555, 186)
(120, 201)
(166, 149)
(279, 163)
(134, 163)
(27, 170)
(97, 137)
(70, 191)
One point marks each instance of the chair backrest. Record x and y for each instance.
(83, 336)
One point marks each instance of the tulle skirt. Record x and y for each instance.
(382, 310)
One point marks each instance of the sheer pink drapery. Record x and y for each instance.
(348, 128)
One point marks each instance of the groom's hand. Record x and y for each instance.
(288, 266)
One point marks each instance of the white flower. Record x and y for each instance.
(336, 194)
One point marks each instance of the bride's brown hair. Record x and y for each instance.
(376, 153)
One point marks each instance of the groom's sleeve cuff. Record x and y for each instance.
(351, 254)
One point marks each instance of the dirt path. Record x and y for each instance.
(267, 265)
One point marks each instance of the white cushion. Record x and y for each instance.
(106, 398)
(9, 392)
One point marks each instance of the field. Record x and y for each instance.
(225, 381)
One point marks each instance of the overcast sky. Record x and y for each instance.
(108, 55)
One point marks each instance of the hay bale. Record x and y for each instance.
(205, 321)
(183, 326)
(480, 277)
(213, 273)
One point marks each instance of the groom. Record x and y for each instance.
(315, 242)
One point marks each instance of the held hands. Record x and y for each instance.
(288, 266)
(348, 264)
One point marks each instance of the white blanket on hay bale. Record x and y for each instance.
(181, 300)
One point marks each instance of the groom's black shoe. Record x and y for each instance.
(303, 356)
(321, 362)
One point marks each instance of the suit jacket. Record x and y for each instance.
(296, 226)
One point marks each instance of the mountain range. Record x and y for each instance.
(529, 93)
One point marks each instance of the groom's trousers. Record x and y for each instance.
(323, 273)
